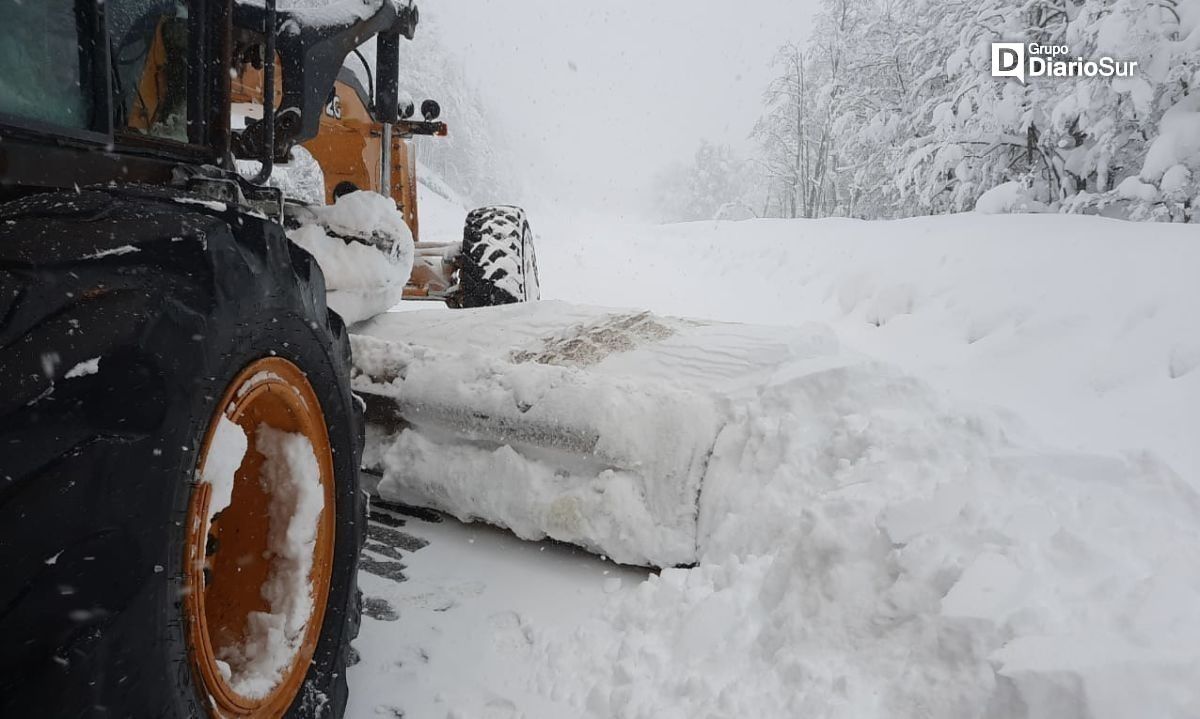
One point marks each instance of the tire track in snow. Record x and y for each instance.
(384, 553)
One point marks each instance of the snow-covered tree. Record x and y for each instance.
(471, 159)
(714, 180)
(783, 136)
(891, 110)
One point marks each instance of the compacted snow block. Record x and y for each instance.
(587, 425)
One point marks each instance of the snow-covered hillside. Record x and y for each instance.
(977, 496)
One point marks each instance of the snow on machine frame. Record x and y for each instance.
(361, 147)
(181, 517)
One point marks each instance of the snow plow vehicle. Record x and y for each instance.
(361, 148)
(180, 512)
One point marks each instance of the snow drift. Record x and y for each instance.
(868, 550)
(998, 522)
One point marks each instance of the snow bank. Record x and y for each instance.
(869, 551)
(870, 547)
(1008, 197)
(1078, 325)
(365, 251)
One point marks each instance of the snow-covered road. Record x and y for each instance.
(452, 635)
(982, 502)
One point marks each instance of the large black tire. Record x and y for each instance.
(96, 470)
(498, 265)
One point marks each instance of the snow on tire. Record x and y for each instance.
(498, 262)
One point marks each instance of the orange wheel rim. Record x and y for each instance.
(233, 562)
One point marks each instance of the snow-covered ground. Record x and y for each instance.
(1083, 327)
(977, 496)
(457, 641)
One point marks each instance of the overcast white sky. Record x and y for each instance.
(597, 96)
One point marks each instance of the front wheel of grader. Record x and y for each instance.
(176, 409)
(498, 264)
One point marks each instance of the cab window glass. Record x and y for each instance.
(45, 74)
(150, 66)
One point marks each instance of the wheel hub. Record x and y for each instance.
(258, 559)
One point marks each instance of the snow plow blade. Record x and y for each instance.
(587, 425)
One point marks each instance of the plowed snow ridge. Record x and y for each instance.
(1003, 526)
